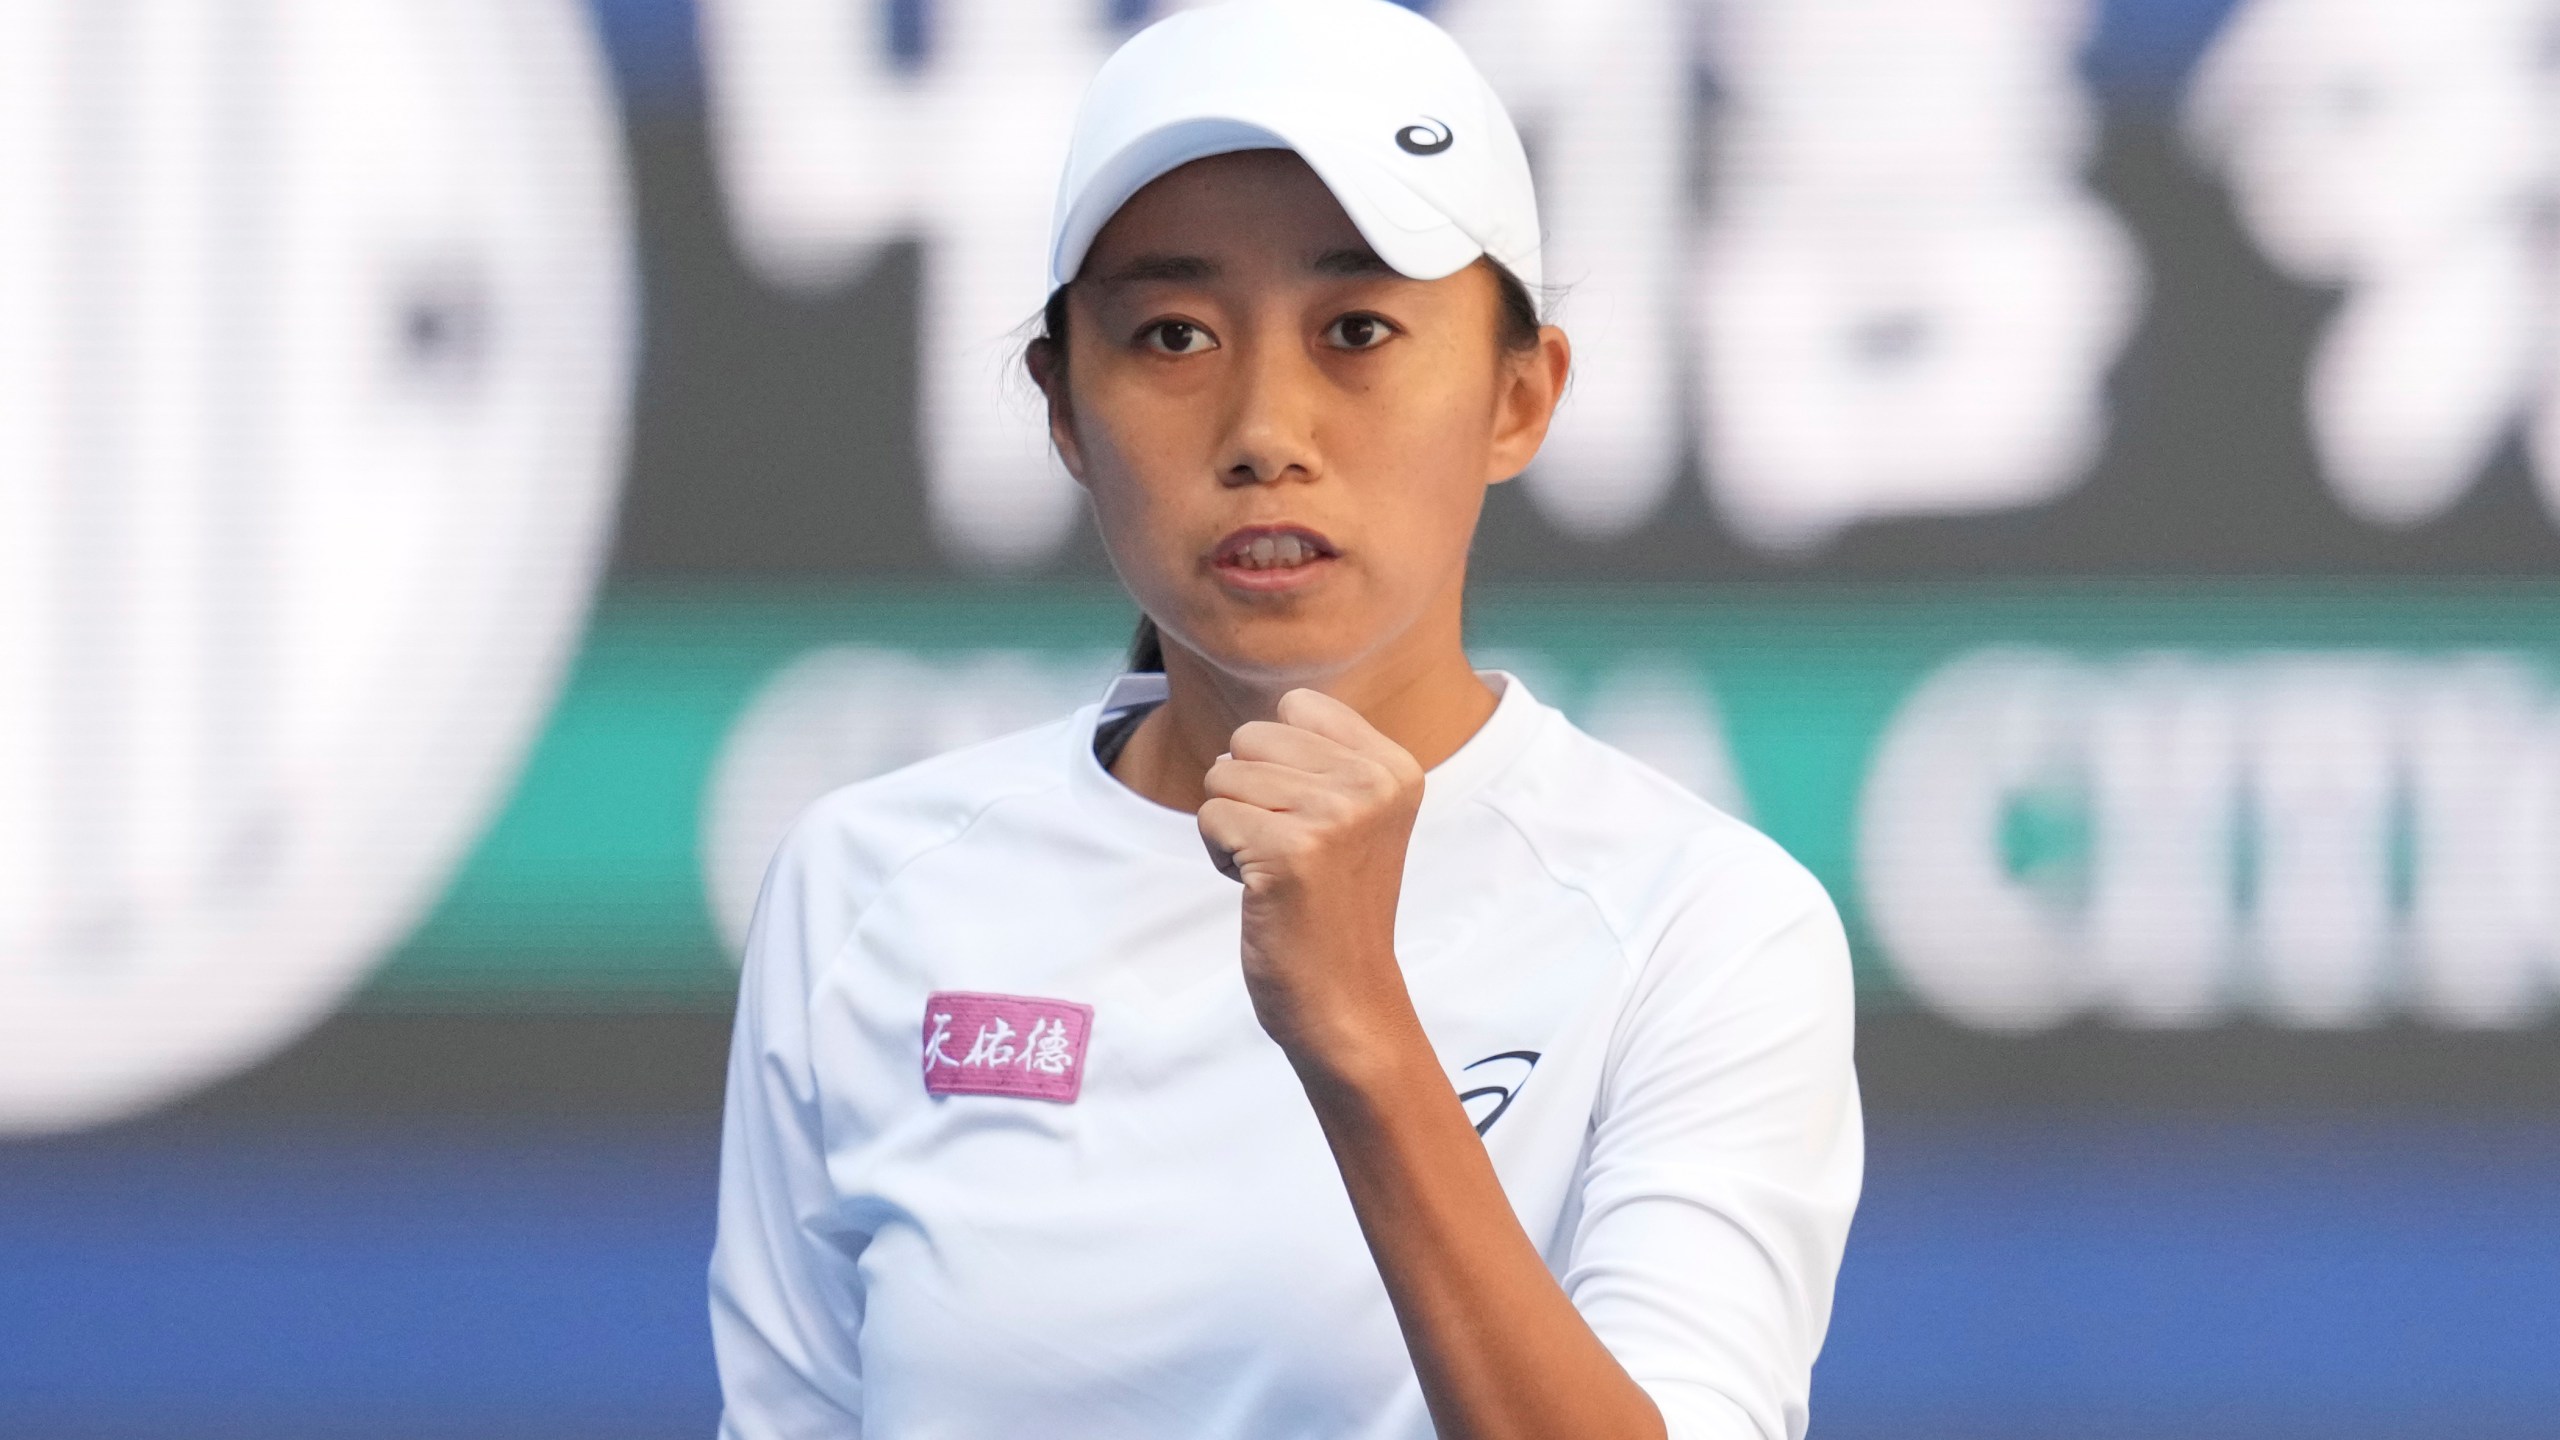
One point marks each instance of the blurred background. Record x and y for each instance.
(2083, 474)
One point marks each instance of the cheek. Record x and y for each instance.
(1140, 460)
(1432, 408)
(1428, 451)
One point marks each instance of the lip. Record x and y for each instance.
(1226, 557)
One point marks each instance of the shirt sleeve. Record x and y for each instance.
(1726, 1157)
(786, 1301)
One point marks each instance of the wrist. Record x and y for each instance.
(1365, 1056)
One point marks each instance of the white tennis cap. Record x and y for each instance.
(1378, 101)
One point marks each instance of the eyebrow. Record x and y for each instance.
(1139, 269)
(1351, 261)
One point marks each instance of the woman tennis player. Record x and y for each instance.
(1317, 1037)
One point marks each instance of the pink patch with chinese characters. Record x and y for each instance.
(1019, 1045)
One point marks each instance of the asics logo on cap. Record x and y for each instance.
(1427, 139)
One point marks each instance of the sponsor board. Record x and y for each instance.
(2148, 807)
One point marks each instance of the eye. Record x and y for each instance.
(1359, 332)
(1176, 337)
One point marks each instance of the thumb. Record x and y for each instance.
(1322, 714)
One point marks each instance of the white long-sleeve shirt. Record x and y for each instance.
(1119, 1219)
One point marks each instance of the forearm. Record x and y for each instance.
(1313, 814)
(1500, 1351)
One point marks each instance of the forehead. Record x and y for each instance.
(1244, 208)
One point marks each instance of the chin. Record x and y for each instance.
(1279, 651)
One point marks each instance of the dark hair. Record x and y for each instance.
(1146, 648)
(1519, 332)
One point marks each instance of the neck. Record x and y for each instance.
(1419, 691)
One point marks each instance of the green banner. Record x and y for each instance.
(2160, 803)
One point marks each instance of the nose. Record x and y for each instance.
(1270, 433)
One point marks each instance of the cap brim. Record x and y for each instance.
(1412, 235)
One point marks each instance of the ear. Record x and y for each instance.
(1524, 403)
(1046, 360)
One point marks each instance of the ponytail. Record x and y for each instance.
(1146, 648)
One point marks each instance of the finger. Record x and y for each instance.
(1281, 743)
(1230, 829)
(1321, 713)
(1330, 768)
(1272, 786)
(1224, 859)
(1232, 823)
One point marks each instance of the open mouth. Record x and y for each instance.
(1272, 548)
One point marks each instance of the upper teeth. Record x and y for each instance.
(1271, 550)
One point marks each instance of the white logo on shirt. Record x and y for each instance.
(933, 1052)
(1045, 1049)
(989, 1048)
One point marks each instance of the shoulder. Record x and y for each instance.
(1684, 887)
(871, 828)
(1734, 951)
(852, 842)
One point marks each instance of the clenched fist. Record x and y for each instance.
(1311, 813)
